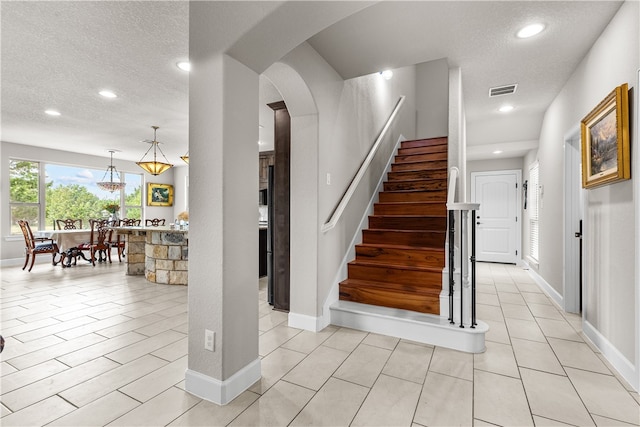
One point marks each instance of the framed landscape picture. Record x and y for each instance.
(605, 141)
(159, 194)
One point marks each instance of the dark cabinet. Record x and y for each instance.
(266, 159)
(262, 247)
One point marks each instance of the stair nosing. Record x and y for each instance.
(375, 283)
(397, 266)
(403, 247)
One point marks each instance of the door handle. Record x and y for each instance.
(578, 234)
(478, 223)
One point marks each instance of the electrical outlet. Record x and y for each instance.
(209, 340)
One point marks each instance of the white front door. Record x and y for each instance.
(498, 220)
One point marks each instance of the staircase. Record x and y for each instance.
(400, 261)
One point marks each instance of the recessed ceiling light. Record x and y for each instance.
(52, 112)
(184, 65)
(386, 74)
(505, 108)
(530, 30)
(108, 94)
(497, 152)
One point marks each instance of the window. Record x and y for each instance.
(24, 193)
(534, 227)
(67, 192)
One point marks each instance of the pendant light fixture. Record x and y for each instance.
(185, 158)
(154, 167)
(111, 185)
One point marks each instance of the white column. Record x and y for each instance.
(223, 227)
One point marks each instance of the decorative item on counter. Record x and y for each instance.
(113, 209)
(183, 220)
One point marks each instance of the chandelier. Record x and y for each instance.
(111, 185)
(154, 167)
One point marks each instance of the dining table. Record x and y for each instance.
(68, 242)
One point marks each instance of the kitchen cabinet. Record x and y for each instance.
(266, 159)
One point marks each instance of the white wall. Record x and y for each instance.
(609, 279)
(432, 99)
(499, 164)
(10, 249)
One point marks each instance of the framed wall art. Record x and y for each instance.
(159, 194)
(605, 141)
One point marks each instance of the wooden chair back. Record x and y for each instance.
(154, 222)
(129, 222)
(36, 245)
(69, 224)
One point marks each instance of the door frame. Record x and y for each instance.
(574, 197)
(518, 173)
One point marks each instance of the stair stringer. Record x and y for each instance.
(333, 296)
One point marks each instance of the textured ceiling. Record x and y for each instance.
(58, 55)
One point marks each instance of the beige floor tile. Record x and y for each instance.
(535, 298)
(107, 382)
(146, 346)
(6, 369)
(545, 311)
(277, 407)
(553, 396)
(558, 329)
(345, 339)
(34, 392)
(14, 348)
(574, 320)
(162, 409)
(409, 362)
(4, 411)
(98, 412)
(130, 325)
(39, 414)
(510, 298)
(173, 351)
(498, 358)
(317, 368)
(497, 332)
(489, 312)
(23, 328)
(486, 288)
(528, 287)
(83, 355)
(335, 404)
(153, 383)
(636, 396)
(272, 319)
(604, 395)
(451, 362)
(275, 366)
(438, 392)
(500, 400)
(382, 341)
(56, 350)
(391, 402)
(536, 355)
(30, 375)
(516, 311)
(507, 287)
(209, 414)
(275, 337)
(488, 299)
(92, 327)
(525, 329)
(363, 365)
(163, 325)
(479, 423)
(577, 355)
(307, 341)
(546, 422)
(609, 422)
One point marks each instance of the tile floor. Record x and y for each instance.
(81, 351)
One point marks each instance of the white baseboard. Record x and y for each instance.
(222, 392)
(303, 321)
(618, 361)
(546, 287)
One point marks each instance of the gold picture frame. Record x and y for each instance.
(159, 194)
(605, 141)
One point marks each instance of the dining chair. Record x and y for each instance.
(98, 240)
(69, 224)
(129, 222)
(37, 245)
(154, 222)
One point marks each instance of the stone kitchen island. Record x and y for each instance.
(160, 253)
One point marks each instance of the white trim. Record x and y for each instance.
(337, 213)
(636, 191)
(222, 392)
(546, 287)
(341, 274)
(303, 321)
(613, 356)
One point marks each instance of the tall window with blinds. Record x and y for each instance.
(534, 209)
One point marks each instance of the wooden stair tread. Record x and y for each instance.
(383, 245)
(424, 290)
(394, 266)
